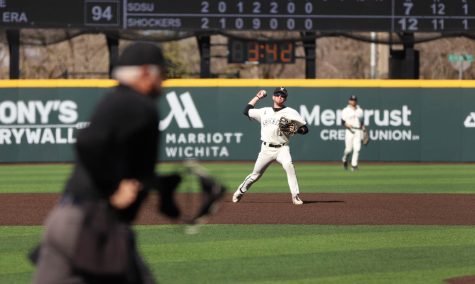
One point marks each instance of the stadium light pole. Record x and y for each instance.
(112, 39)
(204, 44)
(310, 48)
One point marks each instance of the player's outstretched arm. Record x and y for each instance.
(261, 94)
(250, 105)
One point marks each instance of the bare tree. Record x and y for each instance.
(86, 56)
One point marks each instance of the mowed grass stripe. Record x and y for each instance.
(15, 243)
(260, 246)
(36, 178)
(393, 178)
(397, 178)
(281, 253)
(263, 254)
(420, 276)
(169, 233)
(318, 265)
(34, 168)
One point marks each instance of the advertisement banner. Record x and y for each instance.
(204, 120)
(40, 124)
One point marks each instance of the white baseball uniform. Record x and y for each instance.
(354, 134)
(275, 145)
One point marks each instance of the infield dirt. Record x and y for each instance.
(267, 208)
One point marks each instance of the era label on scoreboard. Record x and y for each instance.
(103, 13)
(15, 17)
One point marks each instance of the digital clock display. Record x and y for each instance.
(260, 52)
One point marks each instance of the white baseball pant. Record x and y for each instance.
(266, 156)
(352, 144)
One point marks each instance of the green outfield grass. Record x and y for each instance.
(282, 253)
(413, 178)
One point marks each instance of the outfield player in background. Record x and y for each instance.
(352, 120)
(275, 145)
(116, 156)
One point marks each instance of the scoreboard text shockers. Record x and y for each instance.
(275, 15)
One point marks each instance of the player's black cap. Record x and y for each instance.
(281, 90)
(141, 53)
(353, 98)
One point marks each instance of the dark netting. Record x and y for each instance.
(52, 36)
(383, 38)
(46, 36)
(155, 36)
(394, 38)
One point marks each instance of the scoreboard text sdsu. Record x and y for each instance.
(274, 15)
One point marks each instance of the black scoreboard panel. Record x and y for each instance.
(270, 15)
(61, 13)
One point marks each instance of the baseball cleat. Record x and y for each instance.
(296, 200)
(354, 169)
(345, 165)
(237, 196)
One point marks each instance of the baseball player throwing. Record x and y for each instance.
(352, 120)
(275, 140)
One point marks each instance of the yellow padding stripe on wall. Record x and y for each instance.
(57, 83)
(316, 83)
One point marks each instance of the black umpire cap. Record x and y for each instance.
(142, 53)
(353, 98)
(281, 90)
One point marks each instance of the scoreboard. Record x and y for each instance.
(251, 15)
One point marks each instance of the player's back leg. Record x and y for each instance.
(285, 159)
(262, 163)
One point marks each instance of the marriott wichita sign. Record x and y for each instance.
(190, 139)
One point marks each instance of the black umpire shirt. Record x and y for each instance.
(121, 142)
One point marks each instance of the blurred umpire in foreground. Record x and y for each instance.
(88, 238)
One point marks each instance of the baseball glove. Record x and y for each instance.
(211, 192)
(365, 139)
(287, 127)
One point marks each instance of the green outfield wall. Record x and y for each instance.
(423, 121)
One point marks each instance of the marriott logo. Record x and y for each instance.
(470, 120)
(183, 110)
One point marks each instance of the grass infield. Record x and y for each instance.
(380, 178)
(282, 253)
